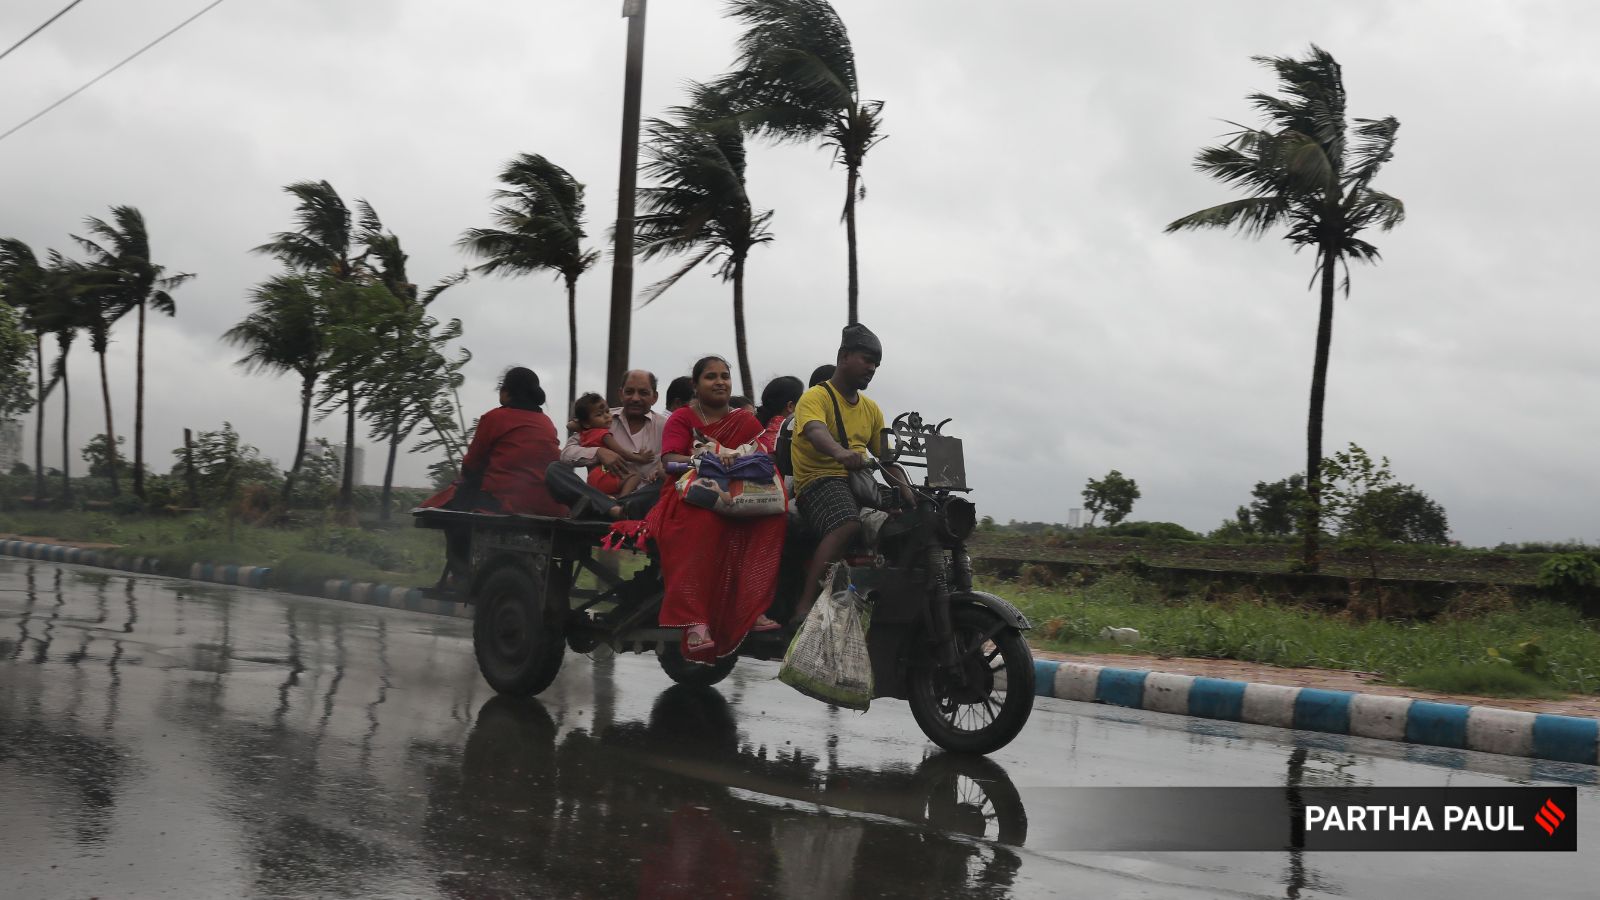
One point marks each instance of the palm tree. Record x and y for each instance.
(795, 80)
(64, 314)
(26, 289)
(323, 245)
(699, 204)
(538, 226)
(123, 247)
(286, 331)
(1304, 170)
(399, 353)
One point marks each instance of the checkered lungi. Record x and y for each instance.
(827, 504)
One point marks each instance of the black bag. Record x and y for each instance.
(784, 447)
(863, 487)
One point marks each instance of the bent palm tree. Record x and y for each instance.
(1303, 171)
(538, 219)
(323, 245)
(699, 204)
(795, 80)
(66, 283)
(286, 331)
(122, 247)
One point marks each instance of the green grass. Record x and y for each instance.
(1483, 679)
(1245, 628)
(299, 556)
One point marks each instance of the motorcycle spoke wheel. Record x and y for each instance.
(982, 704)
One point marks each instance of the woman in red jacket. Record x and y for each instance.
(503, 471)
(513, 444)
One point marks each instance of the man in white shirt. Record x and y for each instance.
(637, 427)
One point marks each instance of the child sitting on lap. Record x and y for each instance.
(594, 430)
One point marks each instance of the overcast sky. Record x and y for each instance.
(1012, 252)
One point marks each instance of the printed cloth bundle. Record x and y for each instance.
(748, 486)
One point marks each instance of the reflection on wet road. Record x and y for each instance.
(162, 738)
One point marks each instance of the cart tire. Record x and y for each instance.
(518, 654)
(692, 673)
(983, 720)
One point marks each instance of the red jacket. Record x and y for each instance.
(511, 448)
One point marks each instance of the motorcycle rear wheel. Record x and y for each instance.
(977, 711)
(692, 673)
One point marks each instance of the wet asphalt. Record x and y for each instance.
(160, 738)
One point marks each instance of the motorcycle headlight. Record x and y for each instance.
(960, 518)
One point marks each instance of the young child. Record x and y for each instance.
(594, 430)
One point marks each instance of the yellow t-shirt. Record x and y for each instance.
(863, 425)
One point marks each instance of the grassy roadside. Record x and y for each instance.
(1448, 653)
(1419, 561)
(302, 556)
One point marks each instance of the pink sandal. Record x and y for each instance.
(697, 639)
(765, 624)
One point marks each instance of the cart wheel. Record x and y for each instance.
(977, 712)
(517, 653)
(971, 795)
(692, 673)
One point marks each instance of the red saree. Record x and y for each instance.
(719, 571)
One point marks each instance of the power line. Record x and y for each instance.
(29, 35)
(136, 54)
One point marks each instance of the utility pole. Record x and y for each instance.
(627, 182)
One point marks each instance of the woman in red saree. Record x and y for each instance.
(719, 571)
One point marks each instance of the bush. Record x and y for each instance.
(1570, 576)
(1161, 531)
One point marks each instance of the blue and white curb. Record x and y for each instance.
(64, 554)
(392, 597)
(1483, 728)
(242, 576)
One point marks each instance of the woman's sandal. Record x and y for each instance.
(696, 639)
(765, 624)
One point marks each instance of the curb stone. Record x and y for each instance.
(1574, 739)
(384, 595)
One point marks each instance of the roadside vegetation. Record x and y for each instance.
(1485, 643)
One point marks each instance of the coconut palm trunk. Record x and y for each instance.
(66, 421)
(138, 409)
(388, 471)
(572, 345)
(1319, 386)
(38, 424)
(347, 486)
(308, 387)
(739, 342)
(852, 181)
(111, 432)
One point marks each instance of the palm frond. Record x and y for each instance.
(1252, 216)
(654, 291)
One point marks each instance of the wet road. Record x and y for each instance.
(161, 738)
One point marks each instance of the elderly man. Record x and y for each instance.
(636, 427)
(832, 409)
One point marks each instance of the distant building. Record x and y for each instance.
(336, 450)
(11, 448)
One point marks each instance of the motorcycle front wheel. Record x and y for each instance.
(983, 704)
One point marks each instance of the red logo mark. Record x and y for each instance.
(1549, 817)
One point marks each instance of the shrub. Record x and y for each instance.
(1570, 576)
(357, 544)
(1162, 531)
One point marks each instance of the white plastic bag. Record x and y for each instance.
(827, 659)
